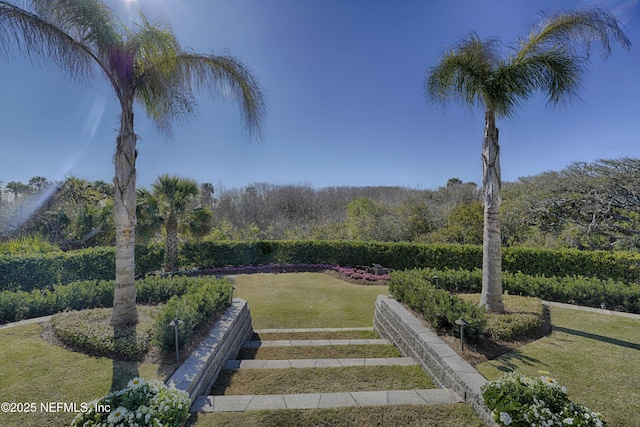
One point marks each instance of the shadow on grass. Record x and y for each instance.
(597, 337)
(122, 370)
(510, 362)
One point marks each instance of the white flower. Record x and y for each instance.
(117, 414)
(505, 418)
(136, 382)
(568, 421)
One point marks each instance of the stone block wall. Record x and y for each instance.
(201, 369)
(393, 322)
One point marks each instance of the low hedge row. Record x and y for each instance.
(439, 307)
(194, 301)
(194, 308)
(20, 305)
(588, 291)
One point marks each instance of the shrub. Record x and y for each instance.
(142, 403)
(89, 331)
(588, 291)
(86, 294)
(440, 308)
(520, 401)
(525, 318)
(27, 245)
(195, 308)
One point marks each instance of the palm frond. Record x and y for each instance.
(556, 73)
(149, 221)
(42, 41)
(196, 222)
(159, 85)
(90, 22)
(576, 31)
(225, 75)
(463, 73)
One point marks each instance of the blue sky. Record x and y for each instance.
(343, 80)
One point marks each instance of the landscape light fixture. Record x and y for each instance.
(462, 323)
(175, 323)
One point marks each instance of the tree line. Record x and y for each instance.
(586, 206)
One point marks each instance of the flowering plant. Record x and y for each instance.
(141, 404)
(517, 400)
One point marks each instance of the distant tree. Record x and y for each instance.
(206, 194)
(364, 219)
(552, 60)
(454, 181)
(464, 224)
(38, 183)
(172, 205)
(17, 189)
(145, 64)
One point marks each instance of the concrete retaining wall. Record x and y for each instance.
(201, 369)
(393, 322)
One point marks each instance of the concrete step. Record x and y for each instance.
(291, 343)
(323, 400)
(318, 363)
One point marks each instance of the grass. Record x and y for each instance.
(325, 380)
(594, 355)
(34, 370)
(319, 352)
(337, 335)
(306, 300)
(459, 415)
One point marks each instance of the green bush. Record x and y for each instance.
(440, 308)
(588, 291)
(194, 308)
(81, 295)
(39, 271)
(525, 318)
(42, 271)
(27, 245)
(89, 331)
(621, 266)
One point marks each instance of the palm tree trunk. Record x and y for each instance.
(124, 212)
(492, 240)
(172, 242)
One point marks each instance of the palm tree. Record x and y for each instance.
(144, 64)
(172, 204)
(475, 72)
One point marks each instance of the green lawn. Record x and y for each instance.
(306, 300)
(325, 380)
(315, 300)
(595, 356)
(32, 370)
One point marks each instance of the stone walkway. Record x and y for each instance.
(320, 400)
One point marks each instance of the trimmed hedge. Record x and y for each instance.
(42, 271)
(89, 331)
(20, 305)
(28, 272)
(439, 307)
(588, 291)
(194, 308)
(623, 266)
